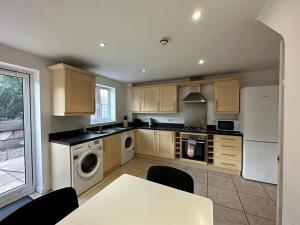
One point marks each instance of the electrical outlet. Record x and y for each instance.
(170, 120)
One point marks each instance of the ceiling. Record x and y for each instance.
(227, 36)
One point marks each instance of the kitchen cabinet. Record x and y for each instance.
(166, 144)
(150, 99)
(136, 99)
(73, 91)
(228, 152)
(227, 96)
(155, 143)
(154, 99)
(168, 99)
(145, 142)
(111, 151)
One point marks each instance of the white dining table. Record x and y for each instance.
(131, 200)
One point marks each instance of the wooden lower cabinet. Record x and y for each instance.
(155, 143)
(165, 144)
(111, 151)
(145, 142)
(228, 152)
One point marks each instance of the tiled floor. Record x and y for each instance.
(12, 174)
(236, 201)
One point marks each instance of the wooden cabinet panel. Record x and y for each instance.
(227, 96)
(111, 151)
(136, 98)
(165, 144)
(228, 151)
(228, 163)
(80, 92)
(73, 91)
(145, 142)
(150, 99)
(168, 99)
(154, 99)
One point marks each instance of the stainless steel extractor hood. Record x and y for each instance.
(195, 97)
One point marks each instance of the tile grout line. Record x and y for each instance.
(240, 201)
(269, 196)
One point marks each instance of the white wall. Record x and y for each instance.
(48, 122)
(284, 17)
(254, 78)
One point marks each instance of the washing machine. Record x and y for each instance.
(87, 161)
(127, 146)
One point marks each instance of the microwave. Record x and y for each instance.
(228, 125)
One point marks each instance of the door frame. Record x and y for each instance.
(280, 134)
(22, 191)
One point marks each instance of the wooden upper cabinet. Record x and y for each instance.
(154, 99)
(145, 142)
(168, 99)
(227, 96)
(150, 99)
(73, 91)
(136, 99)
(165, 144)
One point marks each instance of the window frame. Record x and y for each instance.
(111, 105)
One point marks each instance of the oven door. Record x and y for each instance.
(200, 150)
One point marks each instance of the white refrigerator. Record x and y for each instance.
(259, 125)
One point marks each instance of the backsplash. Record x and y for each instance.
(207, 91)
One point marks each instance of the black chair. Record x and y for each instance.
(171, 177)
(45, 210)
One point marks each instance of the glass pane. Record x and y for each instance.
(12, 163)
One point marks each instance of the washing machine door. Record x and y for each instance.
(88, 164)
(128, 143)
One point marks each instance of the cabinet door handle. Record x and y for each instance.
(216, 103)
(174, 106)
(157, 106)
(228, 146)
(227, 164)
(228, 154)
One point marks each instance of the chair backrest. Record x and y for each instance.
(171, 177)
(45, 210)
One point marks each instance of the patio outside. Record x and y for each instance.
(12, 166)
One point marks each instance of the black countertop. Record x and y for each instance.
(181, 128)
(75, 137)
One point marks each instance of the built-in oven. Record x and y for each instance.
(193, 147)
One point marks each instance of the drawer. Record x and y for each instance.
(226, 139)
(227, 163)
(230, 146)
(227, 154)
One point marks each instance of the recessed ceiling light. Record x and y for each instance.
(196, 15)
(102, 44)
(144, 71)
(201, 61)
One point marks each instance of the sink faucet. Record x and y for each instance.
(100, 127)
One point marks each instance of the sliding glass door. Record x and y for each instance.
(16, 171)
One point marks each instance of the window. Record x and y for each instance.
(105, 105)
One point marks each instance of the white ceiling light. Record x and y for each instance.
(196, 15)
(201, 61)
(102, 44)
(144, 71)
